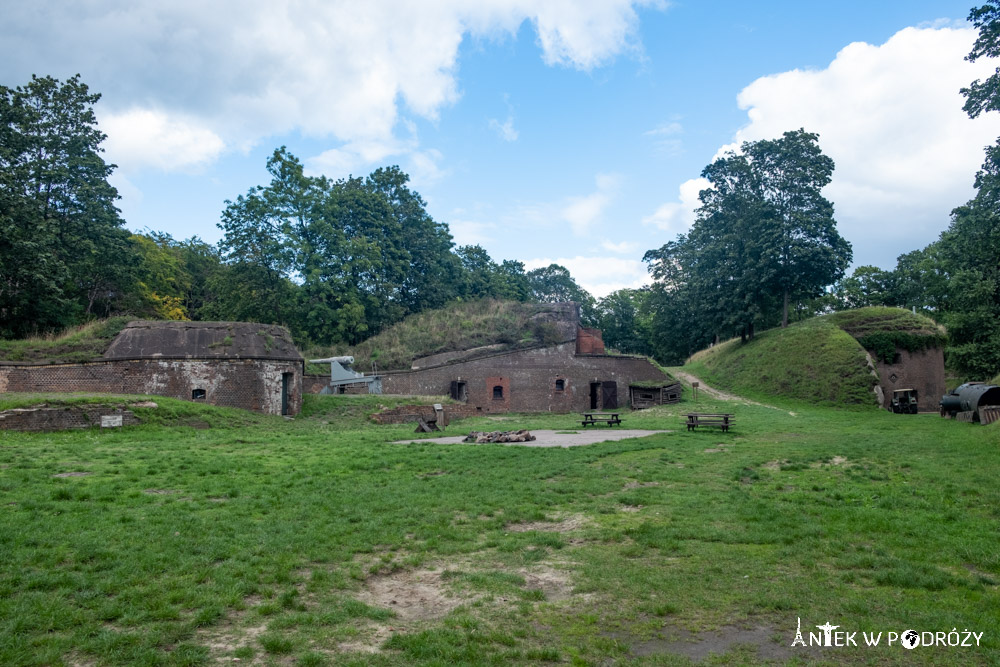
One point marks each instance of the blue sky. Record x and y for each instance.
(562, 131)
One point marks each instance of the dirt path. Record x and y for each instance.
(716, 393)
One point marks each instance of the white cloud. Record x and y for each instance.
(598, 275)
(585, 34)
(506, 130)
(470, 232)
(141, 137)
(231, 72)
(677, 217)
(891, 118)
(582, 213)
(665, 138)
(623, 248)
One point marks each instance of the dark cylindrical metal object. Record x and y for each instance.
(968, 397)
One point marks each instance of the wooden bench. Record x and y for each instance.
(609, 418)
(696, 419)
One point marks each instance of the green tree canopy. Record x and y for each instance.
(763, 238)
(63, 252)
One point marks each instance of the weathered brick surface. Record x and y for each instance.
(923, 371)
(589, 341)
(528, 378)
(252, 384)
(58, 418)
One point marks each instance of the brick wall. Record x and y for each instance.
(923, 371)
(529, 379)
(589, 341)
(58, 418)
(251, 384)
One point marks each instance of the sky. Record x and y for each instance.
(555, 131)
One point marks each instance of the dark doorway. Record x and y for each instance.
(609, 395)
(459, 391)
(286, 378)
(595, 395)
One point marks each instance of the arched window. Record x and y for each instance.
(198, 395)
(498, 393)
(560, 385)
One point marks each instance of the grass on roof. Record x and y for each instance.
(458, 326)
(82, 343)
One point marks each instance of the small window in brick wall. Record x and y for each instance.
(498, 393)
(198, 395)
(560, 385)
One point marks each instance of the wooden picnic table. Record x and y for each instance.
(696, 419)
(609, 418)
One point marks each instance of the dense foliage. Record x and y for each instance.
(764, 237)
(63, 253)
(335, 261)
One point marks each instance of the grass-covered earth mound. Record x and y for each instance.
(82, 343)
(822, 359)
(457, 326)
(884, 330)
(813, 360)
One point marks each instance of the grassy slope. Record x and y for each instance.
(819, 359)
(812, 360)
(83, 343)
(458, 326)
(257, 539)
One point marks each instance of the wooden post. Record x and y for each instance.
(694, 387)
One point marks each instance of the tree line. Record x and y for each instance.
(334, 260)
(337, 261)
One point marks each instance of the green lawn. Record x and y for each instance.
(317, 541)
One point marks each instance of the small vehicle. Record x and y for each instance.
(904, 401)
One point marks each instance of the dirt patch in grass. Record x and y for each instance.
(555, 584)
(835, 461)
(638, 485)
(566, 525)
(775, 465)
(160, 492)
(762, 639)
(414, 595)
(73, 474)
(231, 633)
(369, 639)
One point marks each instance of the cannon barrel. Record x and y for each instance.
(969, 397)
(345, 361)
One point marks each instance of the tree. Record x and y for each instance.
(866, 286)
(432, 278)
(622, 319)
(337, 261)
(801, 244)
(63, 253)
(764, 236)
(483, 278)
(982, 96)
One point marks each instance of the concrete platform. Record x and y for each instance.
(547, 438)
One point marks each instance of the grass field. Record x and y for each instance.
(318, 541)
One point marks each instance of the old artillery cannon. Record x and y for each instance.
(972, 402)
